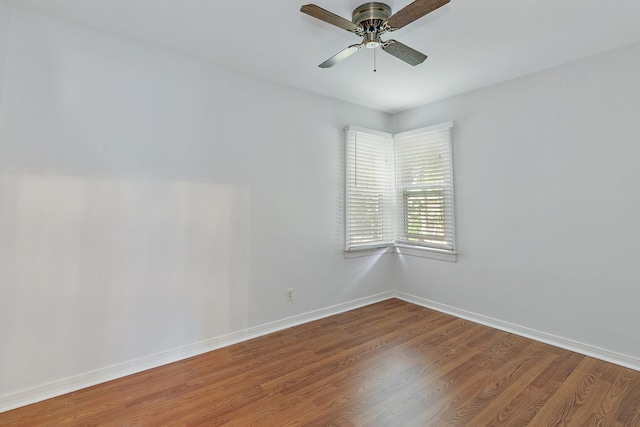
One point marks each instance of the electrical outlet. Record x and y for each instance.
(290, 294)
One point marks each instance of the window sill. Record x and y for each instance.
(400, 249)
(423, 252)
(358, 253)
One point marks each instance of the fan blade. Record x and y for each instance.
(404, 52)
(344, 54)
(413, 11)
(331, 18)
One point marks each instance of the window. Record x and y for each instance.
(370, 192)
(424, 182)
(399, 191)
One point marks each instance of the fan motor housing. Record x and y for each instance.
(371, 13)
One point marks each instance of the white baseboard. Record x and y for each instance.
(567, 344)
(68, 385)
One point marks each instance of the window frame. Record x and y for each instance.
(440, 249)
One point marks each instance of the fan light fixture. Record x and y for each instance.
(371, 40)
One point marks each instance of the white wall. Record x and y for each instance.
(149, 201)
(547, 183)
(5, 12)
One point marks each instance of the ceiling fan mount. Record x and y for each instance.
(369, 21)
(371, 14)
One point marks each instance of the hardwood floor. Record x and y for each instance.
(388, 364)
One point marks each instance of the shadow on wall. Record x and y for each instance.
(96, 271)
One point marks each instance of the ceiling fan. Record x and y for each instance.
(370, 21)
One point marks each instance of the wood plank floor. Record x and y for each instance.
(388, 364)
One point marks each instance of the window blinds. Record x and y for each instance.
(370, 192)
(399, 188)
(424, 185)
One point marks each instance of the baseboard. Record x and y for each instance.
(567, 344)
(68, 385)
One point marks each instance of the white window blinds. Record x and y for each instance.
(370, 192)
(399, 188)
(424, 185)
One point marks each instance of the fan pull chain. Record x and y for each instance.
(375, 68)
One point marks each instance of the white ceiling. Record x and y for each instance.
(470, 43)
